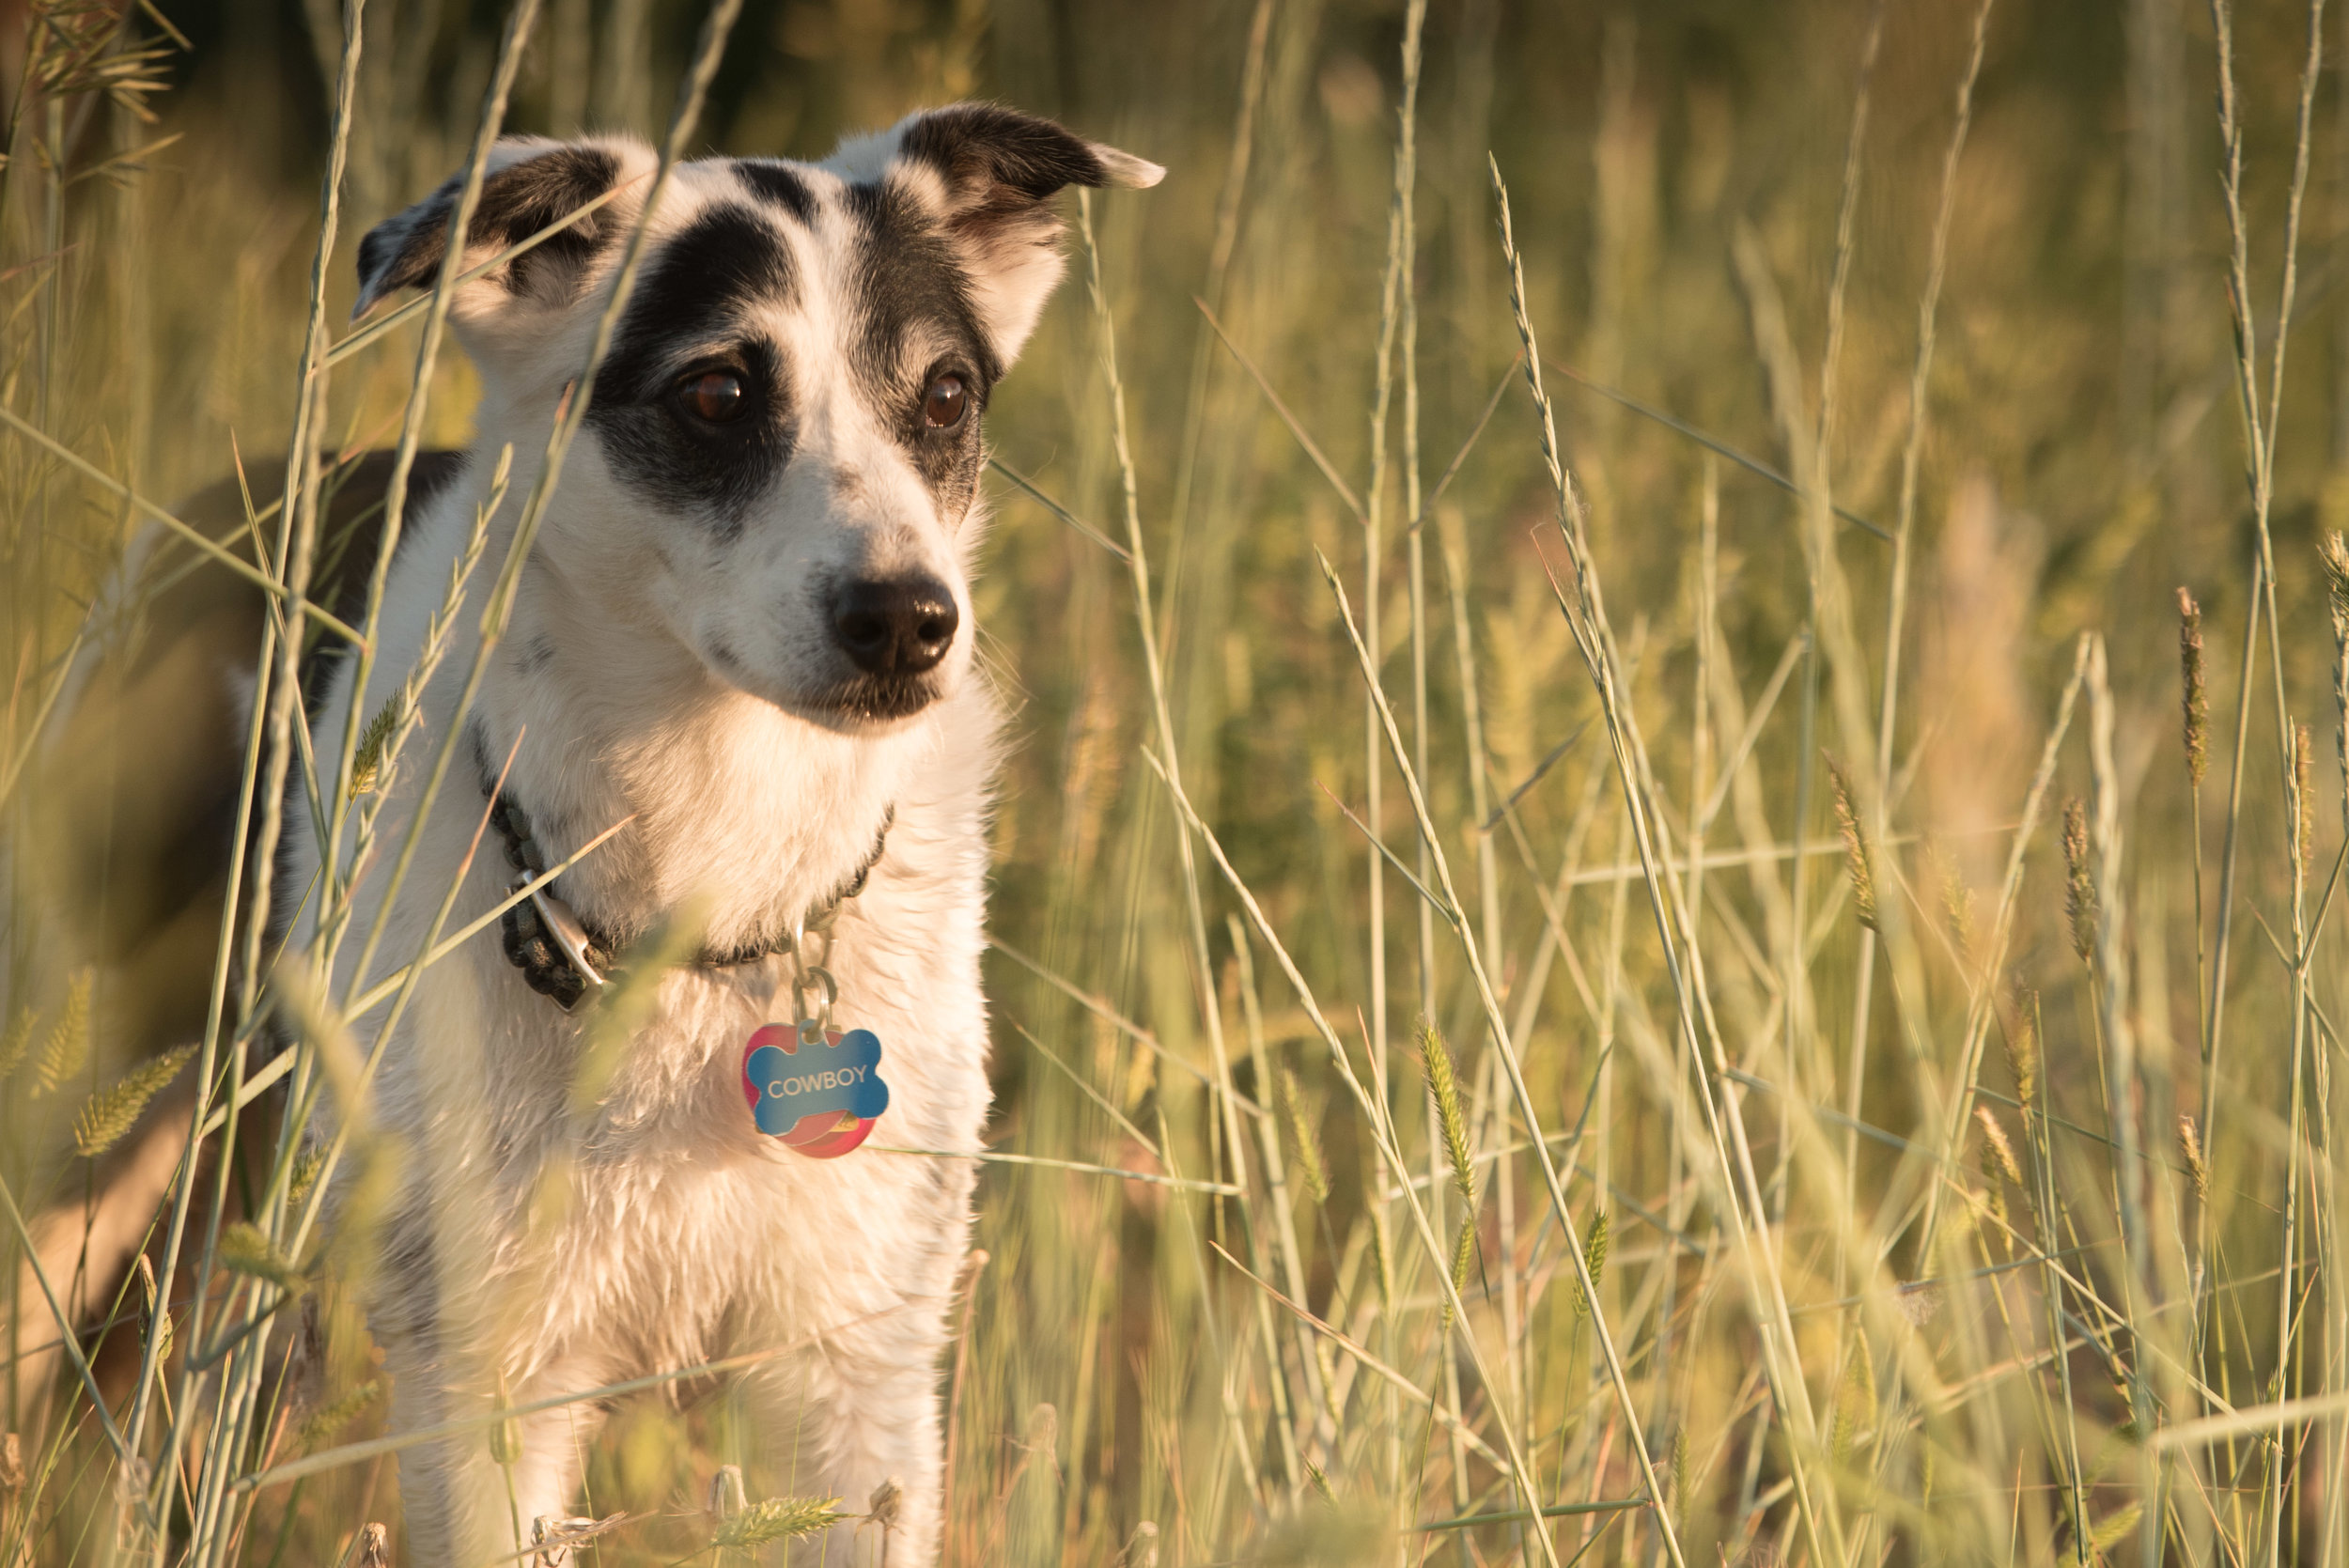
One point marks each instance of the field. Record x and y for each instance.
(1679, 686)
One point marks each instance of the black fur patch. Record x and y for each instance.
(776, 181)
(406, 1303)
(516, 203)
(916, 321)
(979, 144)
(687, 315)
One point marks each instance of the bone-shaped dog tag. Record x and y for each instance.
(821, 1098)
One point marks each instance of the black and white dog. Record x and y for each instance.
(744, 631)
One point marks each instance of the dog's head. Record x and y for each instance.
(783, 444)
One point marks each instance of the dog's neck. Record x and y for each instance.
(736, 811)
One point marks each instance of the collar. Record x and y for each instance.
(563, 956)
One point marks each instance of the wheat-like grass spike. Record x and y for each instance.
(18, 1042)
(773, 1519)
(244, 1249)
(65, 1050)
(1856, 862)
(107, 1116)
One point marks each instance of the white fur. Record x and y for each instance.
(533, 1249)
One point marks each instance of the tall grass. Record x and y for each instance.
(1634, 918)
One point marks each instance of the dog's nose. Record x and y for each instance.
(899, 626)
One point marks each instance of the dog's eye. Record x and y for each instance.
(714, 397)
(943, 404)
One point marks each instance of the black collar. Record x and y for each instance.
(563, 956)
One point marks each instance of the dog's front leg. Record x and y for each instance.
(469, 1499)
(846, 1421)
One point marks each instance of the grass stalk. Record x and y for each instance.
(1594, 642)
(1145, 617)
(519, 22)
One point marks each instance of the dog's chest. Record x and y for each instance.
(688, 1233)
(679, 1199)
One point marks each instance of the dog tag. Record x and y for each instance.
(820, 1096)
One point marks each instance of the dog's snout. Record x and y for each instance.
(899, 626)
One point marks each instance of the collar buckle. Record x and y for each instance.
(570, 937)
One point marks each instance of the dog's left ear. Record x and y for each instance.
(530, 183)
(987, 174)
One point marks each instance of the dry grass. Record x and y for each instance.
(1612, 943)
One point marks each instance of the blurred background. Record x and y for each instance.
(1678, 173)
(2085, 354)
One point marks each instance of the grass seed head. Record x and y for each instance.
(1862, 1386)
(1993, 1196)
(2334, 554)
(2080, 887)
(307, 1165)
(243, 1249)
(1594, 1260)
(367, 763)
(1863, 881)
(65, 1050)
(1325, 1357)
(1443, 1088)
(108, 1115)
(18, 1041)
(1305, 1142)
(2114, 1527)
(2197, 1165)
(2194, 698)
(2303, 793)
(2022, 1046)
(84, 48)
(327, 1420)
(1998, 1161)
(1957, 899)
(773, 1519)
(1998, 1154)
(1463, 1259)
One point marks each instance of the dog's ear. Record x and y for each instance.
(530, 183)
(985, 174)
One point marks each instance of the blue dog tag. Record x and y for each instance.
(820, 1098)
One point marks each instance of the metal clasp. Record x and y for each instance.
(811, 950)
(570, 935)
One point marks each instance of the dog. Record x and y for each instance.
(740, 666)
(743, 638)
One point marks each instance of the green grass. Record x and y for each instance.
(1810, 1069)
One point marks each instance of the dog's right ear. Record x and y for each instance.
(531, 183)
(986, 175)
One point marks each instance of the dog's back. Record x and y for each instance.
(136, 794)
(128, 832)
